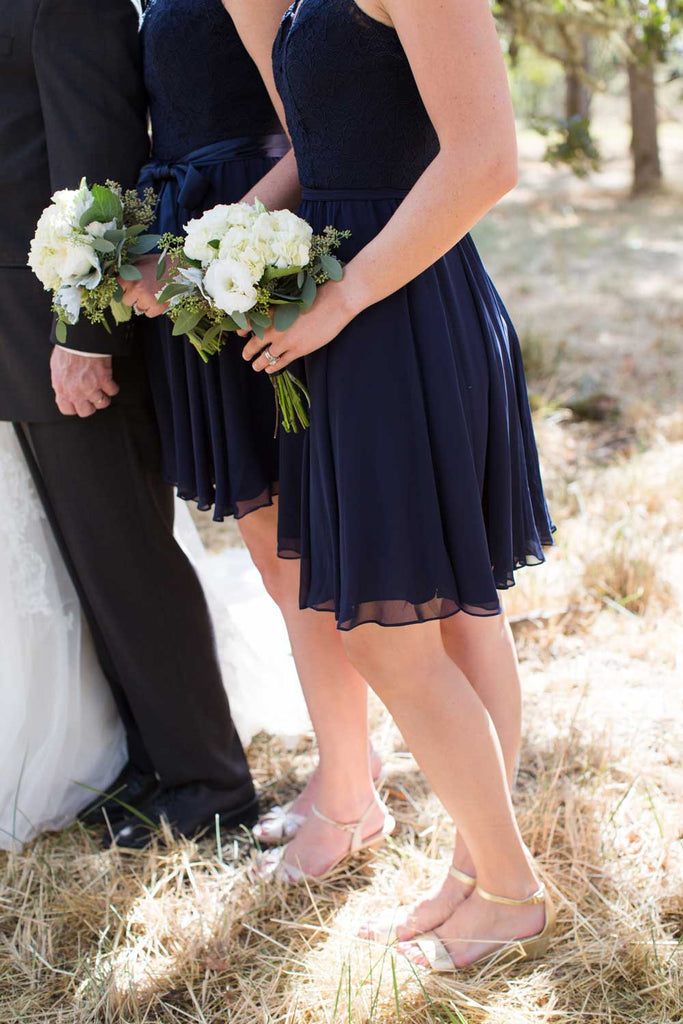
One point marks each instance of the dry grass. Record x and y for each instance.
(183, 933)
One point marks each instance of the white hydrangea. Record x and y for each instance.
(231, 285)
(238, 244)
(61, 252)
(283, 238)
(212, 227)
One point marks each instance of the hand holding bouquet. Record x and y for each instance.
(84, 240)
(238, 267)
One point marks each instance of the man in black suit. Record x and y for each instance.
(72, 103)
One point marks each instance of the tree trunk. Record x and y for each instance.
(647, 170)
(578, 96)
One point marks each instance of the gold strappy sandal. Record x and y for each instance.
(273, 865)
(385, 932)
(512, 951)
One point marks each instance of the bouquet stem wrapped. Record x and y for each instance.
(243, 267)
(85, 240)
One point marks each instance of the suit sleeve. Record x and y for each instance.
(88, 63)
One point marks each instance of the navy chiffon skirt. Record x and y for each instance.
(421, 491)
(217, 419)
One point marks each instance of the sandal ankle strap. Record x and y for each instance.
(354, 827)
(461, 876)
(536, 897)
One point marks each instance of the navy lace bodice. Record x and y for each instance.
(202, 84)
(353, 107)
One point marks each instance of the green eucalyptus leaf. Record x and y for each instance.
(162, 266)
(271, 273)
(144, 244)
(102, 245)
(120, 311)
(118, 293)
(258, 329)
(172, 290)
(228, 324)
(60, 332)
(186, 323)
(212, 335)
(241, 321)
(332, 267)
(285, 315)
(115, 235)
(308, 292)
(129, 273)
(262, 319)
(215, 243)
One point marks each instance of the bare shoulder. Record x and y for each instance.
(376, 9)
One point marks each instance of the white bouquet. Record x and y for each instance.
(86, 239)
(244, 267)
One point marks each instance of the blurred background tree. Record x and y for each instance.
(588, 42)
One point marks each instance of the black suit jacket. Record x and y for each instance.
(72, 103)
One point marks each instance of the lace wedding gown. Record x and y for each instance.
(60, 731)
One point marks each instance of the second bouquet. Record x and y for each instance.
(244, 267)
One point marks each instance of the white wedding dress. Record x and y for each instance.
(59, 729)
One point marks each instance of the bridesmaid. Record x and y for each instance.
(216, 132)
(422, 490)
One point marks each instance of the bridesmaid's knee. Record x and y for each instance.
(393, 660)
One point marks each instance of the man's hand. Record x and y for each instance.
(82, 384)
(142, 294)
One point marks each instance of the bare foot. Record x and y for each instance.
(317, 845)
(428, 913)
(479, 927)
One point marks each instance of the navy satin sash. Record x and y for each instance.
(182, 183)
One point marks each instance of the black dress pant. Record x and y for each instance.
(113, 517)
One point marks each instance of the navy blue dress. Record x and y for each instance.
(421, 485)
(215, 133)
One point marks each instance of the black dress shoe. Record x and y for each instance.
(132, 788)
(189, 810)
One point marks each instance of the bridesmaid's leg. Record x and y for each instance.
(336, 696)
(483, 648)
(453, 738)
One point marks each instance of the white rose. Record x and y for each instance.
(79, 263)
(231, 286)
(284, 238)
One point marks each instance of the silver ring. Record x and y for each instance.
(270, 357)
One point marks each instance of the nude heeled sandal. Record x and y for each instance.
(385, 932)
(281, 823)
(509, 951)
(273, 864)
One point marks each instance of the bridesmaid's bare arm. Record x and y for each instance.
(455, 55)
(258, 24)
